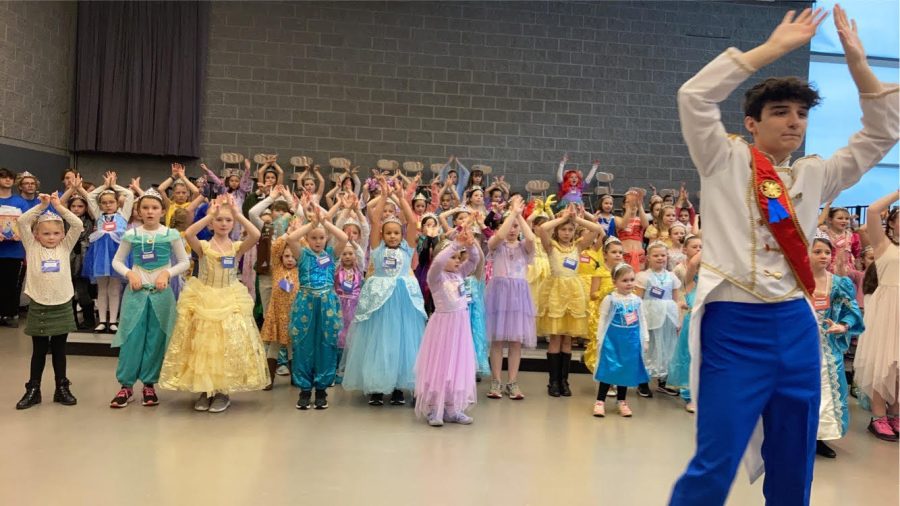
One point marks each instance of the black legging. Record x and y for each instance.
(57, 346)
(604, 389)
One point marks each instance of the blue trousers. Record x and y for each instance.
(315, 324)
(758, 360)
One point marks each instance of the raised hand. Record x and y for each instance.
(54, 200)
(107, 179)
(796, 30)
(45, 199)
(204, 167)
(77, 182)
(246, 164)
(135, 183)
(847, 32)
(516, 204)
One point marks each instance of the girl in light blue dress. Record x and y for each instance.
(390, 318)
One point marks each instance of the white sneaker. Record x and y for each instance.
(220, 402)
(435, 421)
(202, 403)
(460, 418)
(282, 370)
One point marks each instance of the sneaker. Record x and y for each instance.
(434, 421)
(220, 403)
(459, 417)
(514, 392)
(690, 407)
(376, 400)
(282, 370)
(496, 390)
(397, 398)
(644, 390)
(303, 401)
(623, 408)
(668, 391)
(149, 396)
(599, 409)
(613, 391)
(202, 403)
(125, 395)
(881, 428)
(895, 423)
(321, 400)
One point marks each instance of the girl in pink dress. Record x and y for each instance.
(445, 366)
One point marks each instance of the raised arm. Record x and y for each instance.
(246, 183)
(545, 231)
(210, 176)
(412, 232)
(594, 166)
(561, 168)
(190, 234)
(877, 239)
(127, 206)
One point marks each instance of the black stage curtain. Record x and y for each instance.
(139, 69)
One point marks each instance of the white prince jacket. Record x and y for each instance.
(741, 259)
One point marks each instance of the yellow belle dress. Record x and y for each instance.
(215, 346)
(562, 309)
(591, 354)
(589, 264)
(538, 271)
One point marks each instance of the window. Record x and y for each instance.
(838, 117)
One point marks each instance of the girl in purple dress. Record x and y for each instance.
(348, 280)
(445, 366)
(510, 310)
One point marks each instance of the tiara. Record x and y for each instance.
(227, 173)
(620, 266)
(152, 193)
(352, 221)
(657, 244)
(427, 216)
(821, 234)
(678, 224)
(420, 196)
(462, 209)
(611, 240)
(107, 191)
(391, 219)
(48, 215)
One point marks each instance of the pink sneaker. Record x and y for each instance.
(599, 409)
(881, 428)
(895, 423)
(624, 410)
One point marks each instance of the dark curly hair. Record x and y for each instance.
(776, 89)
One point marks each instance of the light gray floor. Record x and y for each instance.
(262, 451)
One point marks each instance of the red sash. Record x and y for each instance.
(778, 214)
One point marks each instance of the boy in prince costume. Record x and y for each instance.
(756, 269)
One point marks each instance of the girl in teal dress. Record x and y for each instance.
(157, 254)
(840, 319)
(680, 366)
(316, 312)
(390, 318)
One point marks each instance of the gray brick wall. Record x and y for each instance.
(511, 84)
(36, 70)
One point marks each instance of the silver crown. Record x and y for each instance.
(153, 194)
(49, 215)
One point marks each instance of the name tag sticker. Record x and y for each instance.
(570, 263)
(585, 259)
(347, 285)
(148, 256)
(462, 290)
(390, 263)
(286, 285)
(656, 292)
(820, 302)
(228, 262)
(50, 266)
(324, 261)
(109, 226)
(631, 318)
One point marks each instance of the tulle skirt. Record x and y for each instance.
(445, 367)
(98, 259)
(478, 325)
(382, 349)
(876, 362)
(215, 346)
(563, 307)
(680, 366)
(662, 346)
(510, 312)
(620, 361)
(348, 310)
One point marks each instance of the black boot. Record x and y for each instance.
(824, 450)
(62, 394)
(32, 395)
(565, 365)
(554, 363)
(273, 364)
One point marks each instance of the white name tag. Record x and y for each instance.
(228, 262)
(570, 263)
(657, 293)
(148, 256)
(631, 318)
(50, 266)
